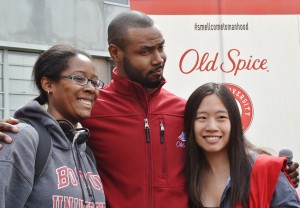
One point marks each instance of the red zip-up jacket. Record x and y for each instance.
(265, 180)
(138, 141)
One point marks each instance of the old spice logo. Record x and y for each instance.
(181, 140)
(244, 102)
(234, 62)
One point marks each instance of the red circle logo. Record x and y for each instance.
(244, 103)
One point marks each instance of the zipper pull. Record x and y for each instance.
(147, 130)
(162, 133)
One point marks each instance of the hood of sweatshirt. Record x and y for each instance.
(33, 110)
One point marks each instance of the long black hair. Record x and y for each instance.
(196, 162)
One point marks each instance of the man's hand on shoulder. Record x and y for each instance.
(8, 126)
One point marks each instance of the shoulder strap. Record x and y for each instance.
(44, 147)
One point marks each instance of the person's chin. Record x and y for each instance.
(83, 114)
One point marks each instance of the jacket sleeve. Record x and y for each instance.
(284, 195)
(17, 167)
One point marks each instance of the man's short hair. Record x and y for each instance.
(118, 27)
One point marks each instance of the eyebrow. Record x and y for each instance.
(162, 42)
(219, 111)
(153, 46)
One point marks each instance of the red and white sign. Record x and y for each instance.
(254, 46)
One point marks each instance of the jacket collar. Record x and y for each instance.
(127, 87)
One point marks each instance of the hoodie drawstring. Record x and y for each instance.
(81, 168)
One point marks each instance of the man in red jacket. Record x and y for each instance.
(137, 126)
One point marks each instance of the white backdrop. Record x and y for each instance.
(274, 91)
(271, 42)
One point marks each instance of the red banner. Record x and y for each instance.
(237, 7)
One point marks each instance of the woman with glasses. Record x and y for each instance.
(68, 84)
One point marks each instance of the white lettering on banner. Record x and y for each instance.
(208, 62)
(245, 103)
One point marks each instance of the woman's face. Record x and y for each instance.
(70, 101)
(212, 125)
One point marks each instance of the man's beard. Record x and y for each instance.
(134, 75)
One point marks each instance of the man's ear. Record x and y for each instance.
(47, 84)
(115, 52)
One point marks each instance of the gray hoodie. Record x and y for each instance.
(60, 185)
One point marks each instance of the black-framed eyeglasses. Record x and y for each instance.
(82, 80)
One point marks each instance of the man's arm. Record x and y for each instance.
(8, 126)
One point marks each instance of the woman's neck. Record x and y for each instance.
(215, 179)
(218, 162)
